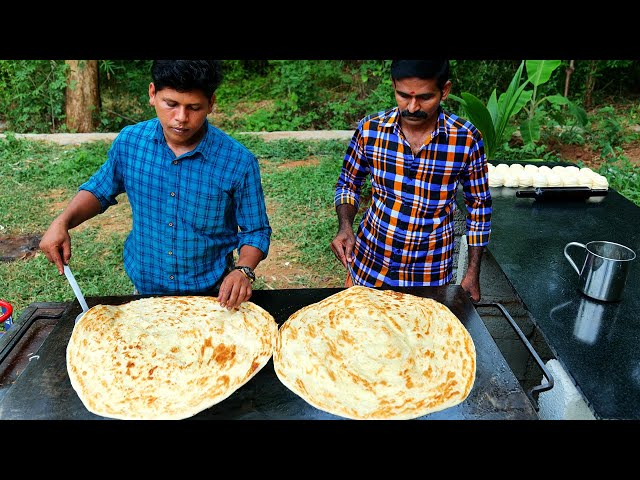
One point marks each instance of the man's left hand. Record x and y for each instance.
(235, 289)
(471, 285)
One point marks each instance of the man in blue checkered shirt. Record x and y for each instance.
(195, 194)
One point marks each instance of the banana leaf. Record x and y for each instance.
(539, 71)
(478, 115)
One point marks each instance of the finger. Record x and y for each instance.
(223, 294)
(66, 252)
(233, 297)
(55, 258)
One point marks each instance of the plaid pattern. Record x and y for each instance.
(406, 236)
(188, 212)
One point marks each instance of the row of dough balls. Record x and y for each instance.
(517, 175)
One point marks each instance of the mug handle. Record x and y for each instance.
(569, 257)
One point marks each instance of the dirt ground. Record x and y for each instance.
(574, 153)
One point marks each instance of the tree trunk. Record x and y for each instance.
(591, 83)
(82, 96)
(569, 71)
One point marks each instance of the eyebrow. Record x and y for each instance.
(412, 94)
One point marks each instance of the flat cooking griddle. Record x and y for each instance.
(43, 390)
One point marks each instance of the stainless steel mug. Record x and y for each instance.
(605, 269)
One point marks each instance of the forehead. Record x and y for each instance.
(417, 86)
(187, 97)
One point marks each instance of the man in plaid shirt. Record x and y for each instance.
(195, 194)
(414, 155)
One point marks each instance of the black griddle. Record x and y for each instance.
(43, 390)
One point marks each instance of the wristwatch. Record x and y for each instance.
(248, 272)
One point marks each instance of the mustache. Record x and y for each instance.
(418, 114)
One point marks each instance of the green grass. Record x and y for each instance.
(38, 179)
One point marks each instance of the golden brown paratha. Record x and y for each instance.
(365, 353)
(166, 357)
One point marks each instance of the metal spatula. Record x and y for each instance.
(76, 290)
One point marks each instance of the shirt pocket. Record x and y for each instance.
(206, 212)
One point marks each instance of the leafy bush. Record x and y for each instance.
(32, 95)
(269, 95)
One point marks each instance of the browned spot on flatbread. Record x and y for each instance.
(224, 353)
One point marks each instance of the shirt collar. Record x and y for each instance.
(204, 147)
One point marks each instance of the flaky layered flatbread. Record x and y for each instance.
(166, 357)
(365, 353)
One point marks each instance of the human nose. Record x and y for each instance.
(182, 114)
(414, 105)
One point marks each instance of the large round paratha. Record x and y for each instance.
(365, 353)
(166, 357)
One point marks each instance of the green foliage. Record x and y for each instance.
(32, 95)
(539, 73)
(482, 76)
(124, 91)
(270, 95)
(304, 95)
(497, 119)
(623, 176)
(493, 118)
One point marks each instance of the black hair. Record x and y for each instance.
(426, 69)
(186, 75)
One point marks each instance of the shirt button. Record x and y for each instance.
(170, 252)
(175, 162)
(171, 224)
(173, 194)
(171, 277)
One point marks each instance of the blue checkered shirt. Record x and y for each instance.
(189, 212)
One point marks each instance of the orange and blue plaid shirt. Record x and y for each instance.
(406, 236)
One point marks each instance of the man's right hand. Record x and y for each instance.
(342, 246)
(56, 245)
(56, 242)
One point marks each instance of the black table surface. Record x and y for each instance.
(597, 343)
(43, 390)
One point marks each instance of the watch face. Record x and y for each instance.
(248, 272)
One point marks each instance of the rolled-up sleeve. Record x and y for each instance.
(477, 197)
(354, 172)
(251, 212)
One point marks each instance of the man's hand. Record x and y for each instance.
(343, 243)
(56, 245)
(56, 242)
(235, 289)
(342, 246)
(471, 285)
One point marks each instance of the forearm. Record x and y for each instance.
(82, 207)
(346, 214)
(474, 261)
(249, 256)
